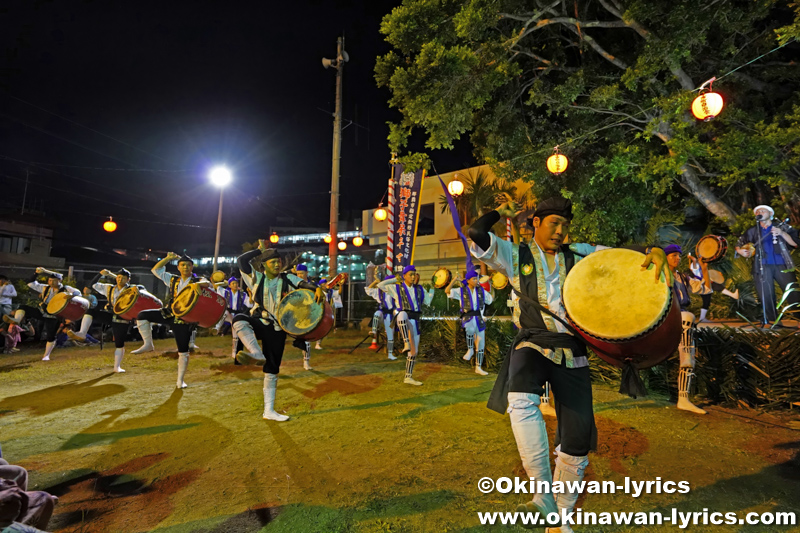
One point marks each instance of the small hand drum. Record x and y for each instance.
(441, 278)
(499, 281)
(711, 248)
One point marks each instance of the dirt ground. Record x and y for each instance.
(362, 452)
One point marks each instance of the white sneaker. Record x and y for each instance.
(411, 381)
(119, 370)
(480, 371)
(182, 385)
(274, 415)
(46, 358)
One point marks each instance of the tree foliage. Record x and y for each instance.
(611, 81)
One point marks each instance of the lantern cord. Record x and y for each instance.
(756, 59)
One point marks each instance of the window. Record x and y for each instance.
(14, 245)
(426, 224)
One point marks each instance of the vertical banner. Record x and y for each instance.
(407, 188)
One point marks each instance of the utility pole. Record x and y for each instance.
(338, 64)
(25, 194)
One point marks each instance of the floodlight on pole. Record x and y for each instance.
(220, 177)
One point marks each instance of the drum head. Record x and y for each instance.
(127, 299)
(499, 281)
(298, 313)
(218, 276)
(608, 296)
(185, 301)
(708, 247)
(441, 278)
(57, 303)
(716, 276)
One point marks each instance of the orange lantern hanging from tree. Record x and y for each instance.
(557, 163)
(707, 106)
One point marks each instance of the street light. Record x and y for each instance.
(220, 177)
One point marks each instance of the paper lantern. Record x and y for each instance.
(358, 241)
(557, 163)
(455, 187)
(274, 238)
(327, 239)
(707, 106)
(109, 225)
(380, 214)
(342, 245)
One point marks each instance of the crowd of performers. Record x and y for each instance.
(545, 355)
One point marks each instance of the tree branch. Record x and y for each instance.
(609, 112)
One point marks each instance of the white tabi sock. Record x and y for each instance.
(146, 331)
(183, 364)
(118, 353)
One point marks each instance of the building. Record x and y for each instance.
(437, 243)
(25, 243)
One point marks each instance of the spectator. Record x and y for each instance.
(7, 291)
(22, 511)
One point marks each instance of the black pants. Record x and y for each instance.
(49, 324)
(765, 287)
(120, 331)
(183, 332)
(572, 388)
(101, 318)
(272, 342)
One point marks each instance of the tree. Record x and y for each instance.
(612, 82)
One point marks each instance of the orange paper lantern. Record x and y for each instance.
(380, 214)
(274, 238)
(707, 106)
(327, 239)
(342, 245)
(358, 241)
(455, 187)
(109, 225)
(557, 163)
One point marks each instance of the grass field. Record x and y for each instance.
(362, 452)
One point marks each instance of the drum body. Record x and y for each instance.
(499, 281)
(302, 317)
(485, 282)
(203, 307)
(69, 308)
(620, 311)
(441, 278)
(132, 301)
(711, 248)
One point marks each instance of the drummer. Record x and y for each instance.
(301, 271)
(473, 299)
(93, 315)
(408, 301)
(237, 302)
(544, 350)
(384, 313)
(183, 330)
(262, 323)
(46, 291)
(683, 286)
(119, 326)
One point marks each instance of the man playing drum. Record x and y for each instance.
(262, 324)
(408, 300)
(683, 286)
(385, 313)
(183, 330)
(473, 299)
(544, 350)
(237, 302)
(302, 272)
(47, 292)
(119, 326)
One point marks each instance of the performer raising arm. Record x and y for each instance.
(384, 313)
(544, 350)
(408, 300)
(47, 291)
(183, 330)
(473, 299)
(268, 290)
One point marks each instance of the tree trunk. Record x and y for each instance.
(690, 181)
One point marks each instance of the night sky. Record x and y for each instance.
(119, 108)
